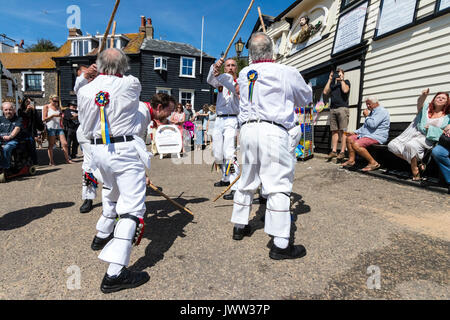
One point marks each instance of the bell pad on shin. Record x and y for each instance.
(140, 226)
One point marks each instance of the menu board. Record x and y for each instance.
(350, 28)
(395, 14)
(444, 4)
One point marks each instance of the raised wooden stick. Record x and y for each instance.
(170, 200)
(111, 43)
(228, 188)
(238, 29)
(105, 36)
(261, 20)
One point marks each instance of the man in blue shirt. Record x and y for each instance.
(10, 126)
(375, 130)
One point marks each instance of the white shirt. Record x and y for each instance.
(277, 90)
(120, 112)
(145, 118)
(227, 100)
(80, 82)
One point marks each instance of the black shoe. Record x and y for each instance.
(240, 233)
(259, 200)
(86, 206)
(126, 279)
(99, 243)
(221, 184)
(229, 196)
(291, 252)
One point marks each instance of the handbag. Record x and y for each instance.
(444, 141)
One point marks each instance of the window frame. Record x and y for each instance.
(161, 67)
(438, 12)
(191, 91)
(193, 67)
(346, 6)
(25, 82)
(164, 90)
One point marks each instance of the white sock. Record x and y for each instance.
(102, 235)
(281, 243)
(114, 269)
(240, 226)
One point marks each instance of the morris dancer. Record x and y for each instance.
(90, 181)
(268, 94)
(226, 125)
(108, 108)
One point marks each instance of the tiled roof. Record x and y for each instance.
(34, 60)
(133, 45)
(171, 47)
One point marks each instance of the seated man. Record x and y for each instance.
(375, 130)
(10, 125)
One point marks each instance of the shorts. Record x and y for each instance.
(339, 118)
(364, 141)
(55, 132)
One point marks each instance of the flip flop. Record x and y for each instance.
(371, 167)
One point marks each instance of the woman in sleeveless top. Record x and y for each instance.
(52, 116)
(423, 132)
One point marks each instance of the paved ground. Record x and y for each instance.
(360, 233)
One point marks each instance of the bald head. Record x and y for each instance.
(8, 110)
(112, 61)
(260, 47)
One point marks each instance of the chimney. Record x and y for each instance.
(74, 32)
(142, 27)
(149, 32)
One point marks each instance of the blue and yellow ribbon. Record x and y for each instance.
(102, 100)
(252, 76)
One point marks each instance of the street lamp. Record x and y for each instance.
(239, 46)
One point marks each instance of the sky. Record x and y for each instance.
(173, 20)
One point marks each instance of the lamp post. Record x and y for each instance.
(239, 46)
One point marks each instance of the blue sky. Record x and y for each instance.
(173, 20)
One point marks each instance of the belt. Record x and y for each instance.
(113, 139)
(226, 115)
(271, 122)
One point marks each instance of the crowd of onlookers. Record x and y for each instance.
(429, 132)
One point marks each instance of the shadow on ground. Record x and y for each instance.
(163, 228)
(20, 218)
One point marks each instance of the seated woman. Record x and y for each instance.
(441, 155)
(31, 124)
(423, 132)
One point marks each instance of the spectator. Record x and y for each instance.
(31, 125)
(189, 113)
(441, 154)
(71, 124)
(201, 120)
(10, 127)
(177, 118)
(423, 132)
(211, 121)
(375, 130)
(51, 114)
(339, 90)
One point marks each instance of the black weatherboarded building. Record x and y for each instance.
(161, 66)
(177, 69)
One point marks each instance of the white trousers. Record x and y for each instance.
(88, 192)
(267, 160)
(123, 193)
(295, 134)
(224, 146)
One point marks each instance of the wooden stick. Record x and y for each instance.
(238, 29)
(170, 200)
(228, 188)
(105, 36)
(261, 20)
(111, 43)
